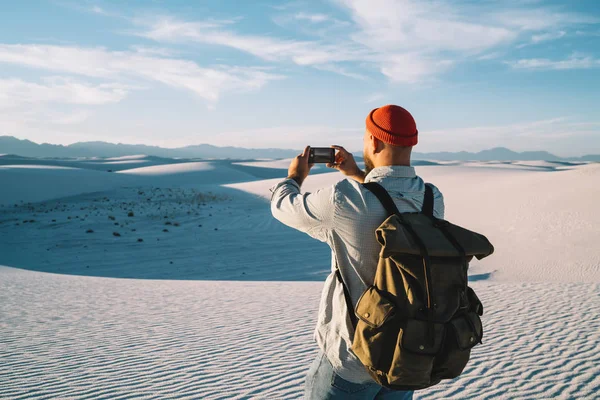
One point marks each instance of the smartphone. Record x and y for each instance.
(321, 155)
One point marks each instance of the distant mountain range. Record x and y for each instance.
(27, 148)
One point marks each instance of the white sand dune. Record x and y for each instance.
(127, 158)
(87, 338)
(204, 172)
(34, 183)
(537, 220)
(221, 314)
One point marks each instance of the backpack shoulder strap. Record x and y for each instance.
(383, 196)
(388, 203)
(428, 201)
(351, 314)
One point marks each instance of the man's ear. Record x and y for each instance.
(377, 144)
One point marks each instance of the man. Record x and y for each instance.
(345, 216)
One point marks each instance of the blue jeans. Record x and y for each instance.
(324, 384)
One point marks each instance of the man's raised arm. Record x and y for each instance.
(311, 213)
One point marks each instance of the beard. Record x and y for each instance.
(368, 163)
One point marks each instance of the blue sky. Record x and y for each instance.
(475, 74)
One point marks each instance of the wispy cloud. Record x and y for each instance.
(575, 61)
(372, 98)
(208, 83)
(169, 29)
(16, 92)
(408, 41)
(98, 10)
(543, 37)
(314, 18)
(539, 18)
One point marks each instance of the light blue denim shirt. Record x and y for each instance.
(345, 216)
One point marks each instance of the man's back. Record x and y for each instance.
(346, 216)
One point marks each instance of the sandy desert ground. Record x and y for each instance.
(220, 300)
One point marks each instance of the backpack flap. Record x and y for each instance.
(374, 309)
(416, 337)
(395, 238)
(468, 330)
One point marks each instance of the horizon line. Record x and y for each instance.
(284, 149)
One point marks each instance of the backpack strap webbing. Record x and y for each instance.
(388, 203)
(383, 196)
(428, 201)
(351, 313)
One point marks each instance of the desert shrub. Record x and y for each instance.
(130, 214)
(116, 234)
(89, 231)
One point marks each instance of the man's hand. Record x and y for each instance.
(300, 167)
(345, 163)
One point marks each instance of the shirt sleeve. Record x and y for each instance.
(439, 208)
(311, 213)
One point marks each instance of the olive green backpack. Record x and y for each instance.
(417, 323)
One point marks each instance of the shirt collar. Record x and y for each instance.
(390, 171)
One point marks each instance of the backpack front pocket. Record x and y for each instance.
(464, 332)
(376, 330)
(374, 309)
(418, 344)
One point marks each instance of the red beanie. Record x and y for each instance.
(393, 125)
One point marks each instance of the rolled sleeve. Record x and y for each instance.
(311, 213)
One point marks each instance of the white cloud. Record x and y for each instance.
(372, 98)
(490, 56)
(574, 62)
(98, 10)
(208, 83)
(341, 71)
(407, 40)
(16, 92)
(412, 67)
(543, 37)
(391, 25)
(172, 30)
(541, 19)
(314, 18)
